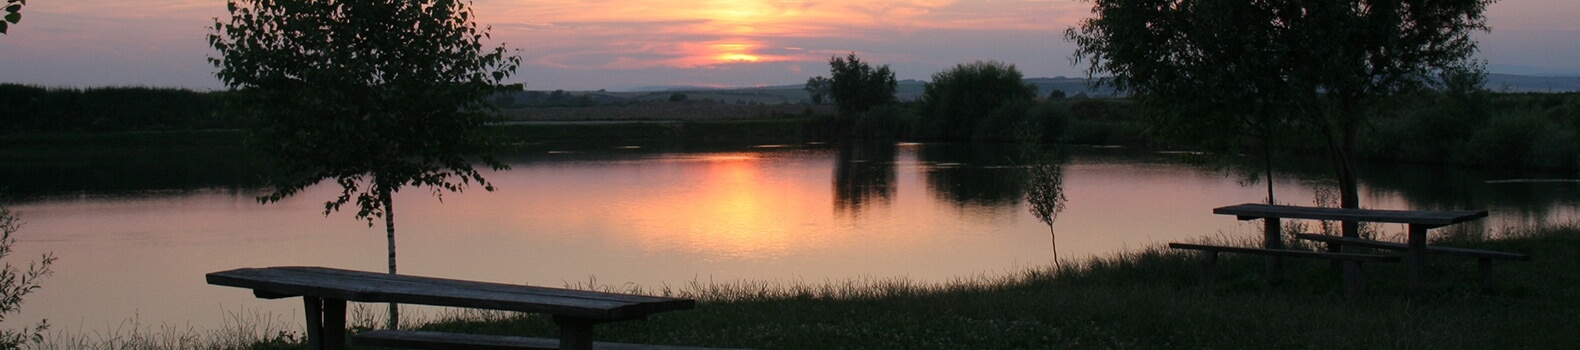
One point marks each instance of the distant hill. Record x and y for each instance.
(1530, 83)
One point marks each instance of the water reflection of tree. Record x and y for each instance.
(863, 172)
(973, 174)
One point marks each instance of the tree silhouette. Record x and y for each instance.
(1045, 197)
(373, 95)
(1256, 67)
(857, 87)
(817, 87)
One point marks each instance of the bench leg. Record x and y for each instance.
(1417, 257)
(326, 323)
(1273, 238)
(1484, 265)
(1354, 283)
(575, 333)
(1209, 265)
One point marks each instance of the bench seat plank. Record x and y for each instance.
(1354, 286)
(1493, 254)
(1288, 253)
(462, 341)
(372, 287)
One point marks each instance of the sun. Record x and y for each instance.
(734, 51)
(738, 57)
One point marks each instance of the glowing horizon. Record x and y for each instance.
(589, 45)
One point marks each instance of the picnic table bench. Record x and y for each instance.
(1418, 222)
(1354, 284)
(325, 292)
(1483, 257)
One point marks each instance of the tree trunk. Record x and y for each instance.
(389, 229)
(1055, 239)
(1267, 163)
(1349, 188)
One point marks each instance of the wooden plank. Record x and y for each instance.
(460, 341)
(374, 287)
(1477, 253)
(1288, 253)
(1250, 211)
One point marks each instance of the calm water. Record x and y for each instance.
(136, 243)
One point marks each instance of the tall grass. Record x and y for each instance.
(240, 330)
(1147, 298)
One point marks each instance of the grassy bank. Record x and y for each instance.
(1141, 299)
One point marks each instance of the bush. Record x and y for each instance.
(960, 102)
(1502, 143)
(884, 122)
(16, 283)
(1052, 119)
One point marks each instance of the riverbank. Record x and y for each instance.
(1146, 299)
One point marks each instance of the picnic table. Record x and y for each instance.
(325, 292)
(1418, 223)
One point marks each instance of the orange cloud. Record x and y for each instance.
(708, 33)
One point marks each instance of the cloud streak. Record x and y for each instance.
(642, 34)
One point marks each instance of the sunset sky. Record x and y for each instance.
(621, 44)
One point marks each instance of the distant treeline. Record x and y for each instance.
(1503, 130)
(1539, 131)
(1495, 130)
(31, 109)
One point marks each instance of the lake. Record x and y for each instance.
(135, 238)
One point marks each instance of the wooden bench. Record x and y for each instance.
(1354, 284)
(1483, 257)
(325, 291)
(1418, 223)
(448, 341)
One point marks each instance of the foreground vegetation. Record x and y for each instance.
(1142, 299)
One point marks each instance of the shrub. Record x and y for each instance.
(958, 100)
(16, 283)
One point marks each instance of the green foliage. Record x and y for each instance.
(884, 122)
(1045, 197)
(13, 14)
(1242, 71)
(372, 94)
(858, 87)
(16, 283)
(1499, 131)
(818, 87)
(958, 99)
(32, 109)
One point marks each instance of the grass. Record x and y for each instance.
(1142, 299)
(241, 330)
